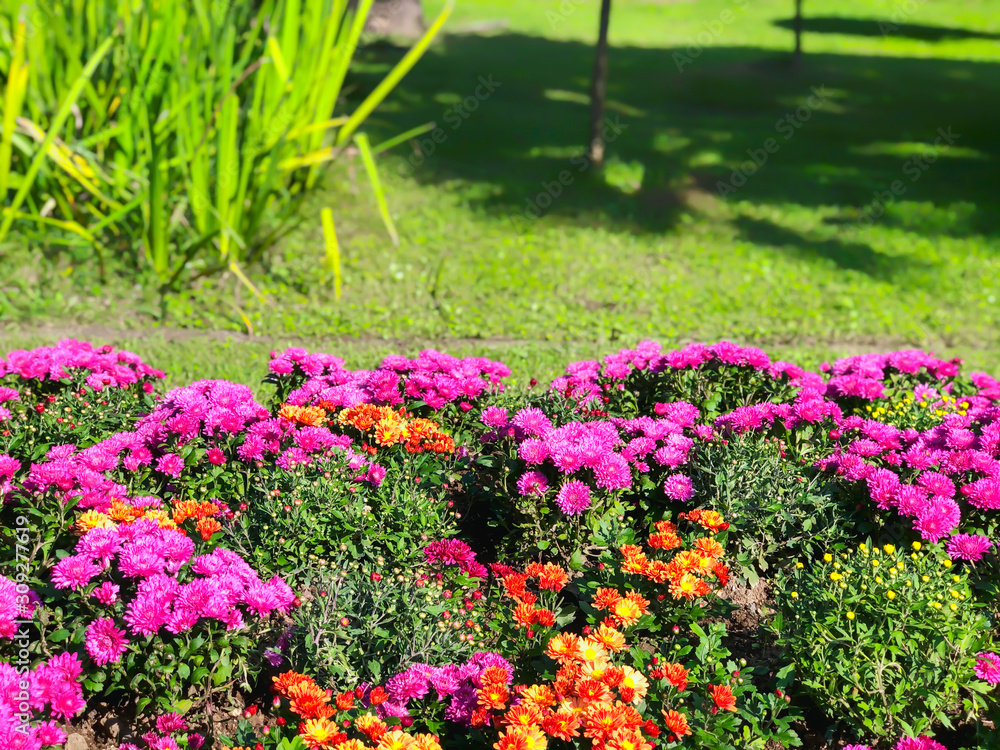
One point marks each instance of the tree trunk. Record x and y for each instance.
(797, 56)
(599, 89)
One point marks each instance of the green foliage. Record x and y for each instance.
(782, 511)
(198, 125)
(885, 641)
(367, 621)
(296, 520)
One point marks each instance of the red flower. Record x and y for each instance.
(723, 697)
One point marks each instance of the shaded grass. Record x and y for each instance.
(648, 248)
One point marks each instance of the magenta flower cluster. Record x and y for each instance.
(15, 605)
(162, 738)
(53, 686)
(102, 367)
(579, 459)
(147, 560)
(455, 552)
(434, 378)
(455, 683)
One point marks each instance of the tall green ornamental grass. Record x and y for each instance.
(181, 134)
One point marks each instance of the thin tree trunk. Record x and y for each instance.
(599, 89)
(797, 57)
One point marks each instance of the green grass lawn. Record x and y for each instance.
(802, 257)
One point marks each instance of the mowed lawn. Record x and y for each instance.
(846, 205)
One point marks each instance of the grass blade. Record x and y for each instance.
(403, 137)
(17, 80)
(387, 84)
(383, 207)
(332, 262)
(60, 119)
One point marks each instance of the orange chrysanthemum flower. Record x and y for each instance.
(370, 725)
(610, 638)
(606, 598)
(636, 683)
(627, 612)
(666, 541)
(396, 739)
(521, 738)
(545, 617)
(665, 527)
(628, 739)
(309, 416)
(309, 700)
(378, 696)
(285, 681)
(93, 519)
(676, 675)
(351, 745)
(563, 725)
(515, 584)
(493, 697)
(707, 519)
(480, 716)
(658, 571)
(563, 647)
(345, 701)
(613, 676)
(723, 697)
(184, 510)
(592, 652)
(591, 690)
(494, 677)
(525, 715)
(318, 733)
(601, 720)
(676, 722)
(428, 742)
(539, 695)
(208, 526)
(708, 547)
(552, 578)
(688, 587)
(124, 512)
(693, 561)
(721, 573)
(525, 614)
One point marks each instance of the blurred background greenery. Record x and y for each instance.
(865, 228)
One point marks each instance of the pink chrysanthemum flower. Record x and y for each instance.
(573, 497)
(494, 416)
(923, 742)
(678, 487)
(969, 547)
(170, 723)
(988, 667)
(105, 643)
(107, 593)
(74, 572)
(937, 518)
(532, 483)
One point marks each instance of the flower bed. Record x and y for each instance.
(700, 548)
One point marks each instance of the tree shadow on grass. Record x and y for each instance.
(844, 254)
(881, 27)
(680, 135)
